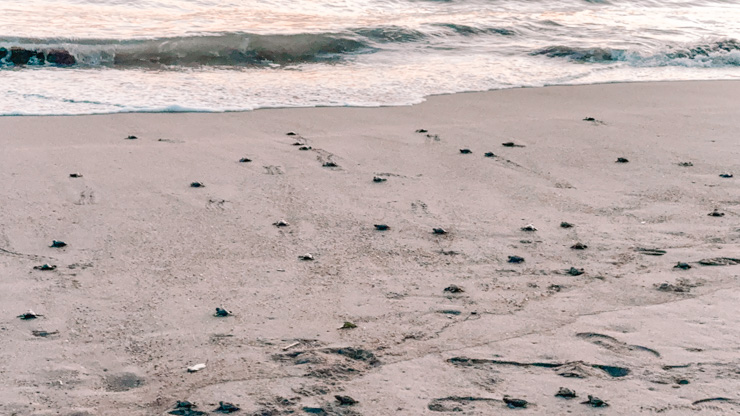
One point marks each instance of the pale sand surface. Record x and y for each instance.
(149, 258)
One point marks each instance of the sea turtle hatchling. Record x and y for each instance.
(224, 407)
(566, 225)
(291, 133)
(716, 213)
(566, 393)
(75, 175)
(453, 289)
(515, 259)
(330, 165)
(575, 272)
(513, 403)
(378, 179)
(529, 227)
(245, 160)
(622, 160)
(466, 151)
(382, 227)
(28, 315)
(222, 313)
(422, 131)
(131, 137)
(725, 175)
(579, 246)
(489, 154)
(305, 148)
(682, 266)
(439, 231)
(306, 257)
(197, 185)
(594, 401)
(511, 144)
(280, 223)
(45, 267)
(58, 244)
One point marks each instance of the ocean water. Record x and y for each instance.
(104, 56)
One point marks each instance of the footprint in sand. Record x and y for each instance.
(273, 170)
(87, 197)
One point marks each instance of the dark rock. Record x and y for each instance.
(20, 56)
(224, 407)
(579, 246)
(622, 160)
(454, 289)
(566, 225)
(566, 393)
(515, 403)
(58, 244)
(516, 259)
(197, 185)
(45, 267)
(466, 151)
(682, 266)
(345, 400)
(594, 401)
(382, 227)
(575, 272)
(439, 231)
(60, 57)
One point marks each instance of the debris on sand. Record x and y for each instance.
(719, 261)
(511, 144)
(422, 131)
(280, 223)
(29, 315)
(453, 289)
(516, 259)
(131, 137)
(466, 151)
(681, 286)
(345, 400)
(579, 246)
(245, 160)
(622, 160)
(575, 272)
(566, 225)
(224, 407)
(75, 175)
(43, 334)
(716, 213)
(513, 403)
(725, 175)
(221, 312)
(650, 251)
(197, 185)
(594, 401)
(566, 393)
(439, 231)
(382, 227)
(529, 227)
(197, 367)
(45, 267)
(58, 244)
(306, 257)
(682, 266)
(378, 179)
(348, 325)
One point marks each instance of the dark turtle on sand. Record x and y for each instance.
(245, 160)
(439, 231)
(575, 272)
(682, 266)
(725, 175)
(516, 259)
(453, 289)
(132, 137)
(579, 246)
(566, 225)
(298, 144)
(345, 400)
(197, 185)
(306, 257)
(348, 325)
(224, 407)
(291, 133)
(186, 408)
(221, 313)
(489, 154)
(58, 244)
(511, 144)
(45, 267)
(622, 160)
(382, 227)
(528, 227)
(305, 148)
(716, 213)
(75, 175)
(422, 131)
(378, 179)
(685, 164)
(466, 151)
(28, 315)
(330, 165)
(281, 223)
(589, 119)
(513, 403)
(594, 401)
(566, 393)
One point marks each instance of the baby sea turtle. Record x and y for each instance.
(348, 325)
(466, 151)
(685, 164)
(725, 175)
(330, 165)
(186, 408)
(513, 403)
(682, 266)
(516, 259)
(305, 148)
(382, 227)
(716, 213)
(579, 246)
(306, 257)
(378, 179)
(131, 137)
(197, 185)
(245, 160)
(75, 175)
(221, 313)
(345, 400)
(58, 244)
(45, 267)
(224, 407)
(453, 289)
(28, 315)
(528, 227)
(575, 272)
(622, 160)
(511, 144)
(281, 223)
(566, 393)
(439, 231)
(291, 133)
(422, 131)
(566, 225)
(594, 401)
(489, 154)
(589, 119)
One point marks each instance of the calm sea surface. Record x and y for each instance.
(103, 56)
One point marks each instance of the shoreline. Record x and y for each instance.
(443, 321)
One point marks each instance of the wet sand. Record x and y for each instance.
(149, 258)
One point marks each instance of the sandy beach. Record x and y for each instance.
(445, 323)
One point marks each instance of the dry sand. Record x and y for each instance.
(149, 258)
